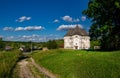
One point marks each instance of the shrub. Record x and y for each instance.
(52, 44)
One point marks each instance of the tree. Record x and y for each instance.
(60, 43)
(94, 43)
(51, 44)
(105, 15)
(2, 45)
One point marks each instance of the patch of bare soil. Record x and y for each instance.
(26, 70)
(43, 70)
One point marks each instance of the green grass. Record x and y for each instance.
(36, 73)
(7, 63)
(80, 64)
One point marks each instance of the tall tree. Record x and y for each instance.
(2, 45)
(105, 15)
(51, 44)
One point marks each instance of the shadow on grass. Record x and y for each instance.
(22, 57)
(100, 50)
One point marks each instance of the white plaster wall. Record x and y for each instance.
(83, 42)
(76, 41)
(68, 42)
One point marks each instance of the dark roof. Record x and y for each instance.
(76, 31)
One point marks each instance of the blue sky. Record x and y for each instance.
(40, 20)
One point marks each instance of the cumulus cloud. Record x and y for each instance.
(66, 27)
(83, 18)
(76, 20)
(19, 29)
(23, 18)
(70, 19)
(38, 38)
(56, 21)
(29, 28)
(67, 18)
(33, 38)
(9, 38)
(33, 28)
(7, 28)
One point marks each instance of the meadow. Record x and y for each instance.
(7, 63)
(80, 63)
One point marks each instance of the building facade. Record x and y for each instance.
(76, 38)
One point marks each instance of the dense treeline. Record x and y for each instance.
(53, 44)
(105, 16)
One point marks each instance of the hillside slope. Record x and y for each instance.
(80, 64)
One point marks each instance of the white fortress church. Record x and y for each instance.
(76, 38)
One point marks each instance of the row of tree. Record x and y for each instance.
(105, 16)
(54, 44)
(51, 44)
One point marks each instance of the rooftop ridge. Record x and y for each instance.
(76, 31)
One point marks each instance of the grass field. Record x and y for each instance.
(7, 63)
(80, 64)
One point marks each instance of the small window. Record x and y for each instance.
(75, 43)
(70, 38)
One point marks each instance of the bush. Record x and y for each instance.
(94, 43)
(2, 45)
(52, 44)
(7, 63)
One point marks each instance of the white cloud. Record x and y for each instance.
(56, 21)
(35, 35)
(83, 18)
(67, 18)
(70, 19)
(28, 18)
(10, 38)
(34, 28)
(29, 28)
(23, 18)
(7, 28)
(19, 29)
(76, 20)
(66, 27)
(38, 38)
(33, 38)
(26, 37)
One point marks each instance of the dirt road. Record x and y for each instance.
(29, 69)
(24, 71)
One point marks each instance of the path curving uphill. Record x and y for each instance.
(29, 69)
(43, 70)
(24, 71)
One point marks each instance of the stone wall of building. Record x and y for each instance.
(76, 42)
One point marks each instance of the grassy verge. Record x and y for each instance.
(16, 72)
(80, 64)
(36, 72)
(7, 63)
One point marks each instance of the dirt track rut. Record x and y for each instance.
(26, 72)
